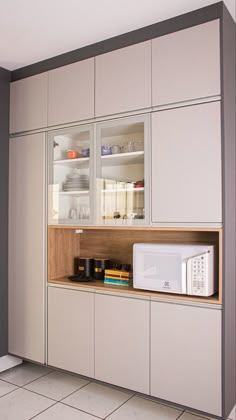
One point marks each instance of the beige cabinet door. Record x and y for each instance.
(71, 93)
(27, 247)
(71, 330)
(122, 341)
(186, 165)
(28, 103)
(186, 355)
(186, 64)
(123, 80)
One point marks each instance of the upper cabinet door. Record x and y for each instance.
(71, 93)
(123, 80)
(28, 103)
(186, 64)
(186, 165)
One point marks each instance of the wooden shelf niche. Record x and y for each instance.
(64, 244)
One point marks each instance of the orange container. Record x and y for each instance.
(72, 154)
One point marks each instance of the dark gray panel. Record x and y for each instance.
(229, 210)
(186, 20)
(4, 153)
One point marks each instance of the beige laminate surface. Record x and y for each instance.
(186, 64)
(186, 356)
(28, 103)
(71, 93)
(123, 80)
(122, 341)
(186, 165)
(27, 247)
(71, 330)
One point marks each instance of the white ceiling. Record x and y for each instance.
(31, 30)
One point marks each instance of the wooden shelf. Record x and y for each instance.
(130, 158)
(100, 285)
(138, 228)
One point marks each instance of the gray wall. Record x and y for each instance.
(4, 157)
(228, 48)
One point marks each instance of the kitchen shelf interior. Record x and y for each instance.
(69, 175)
(120, 183)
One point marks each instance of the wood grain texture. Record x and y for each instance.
(117, 245)
(139, 228)
(63, 247)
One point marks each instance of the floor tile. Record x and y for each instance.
(63, 412)
(22, 405)
(97, 399)
(232, 415)
(139, 409)
(56, 385)
(5, 388)
(23, 374)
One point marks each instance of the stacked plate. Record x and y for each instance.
(76, 182)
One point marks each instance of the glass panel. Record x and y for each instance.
(120, 172)
(70, 176)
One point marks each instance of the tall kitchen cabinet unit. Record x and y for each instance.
(27, 251)
(181, 73)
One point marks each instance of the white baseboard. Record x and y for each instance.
(7, 362)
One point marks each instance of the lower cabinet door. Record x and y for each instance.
(122, 341)
(186, 355)
(71, 330)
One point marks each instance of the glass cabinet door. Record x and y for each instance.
(122, 193)
(70, 175)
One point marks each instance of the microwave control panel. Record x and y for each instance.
(199, 274)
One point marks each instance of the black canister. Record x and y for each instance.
(100, 264)
(85, 267)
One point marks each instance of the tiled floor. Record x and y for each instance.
(29, 392)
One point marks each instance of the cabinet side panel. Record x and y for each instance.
(26, 247)
(4, 151)
(229, 209)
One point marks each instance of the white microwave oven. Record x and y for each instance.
(175, 268)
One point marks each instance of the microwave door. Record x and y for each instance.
(160, 271)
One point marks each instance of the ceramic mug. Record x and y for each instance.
(72, 154)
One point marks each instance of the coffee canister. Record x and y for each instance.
(100, 264)
(85, 267)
